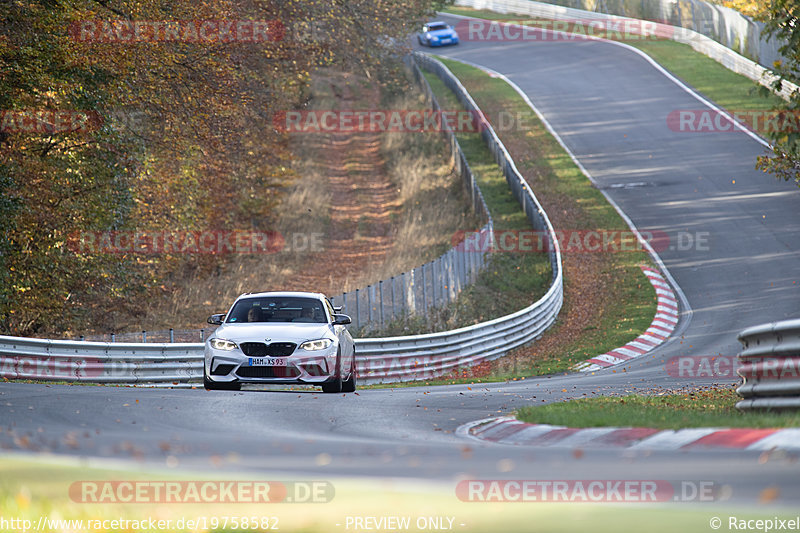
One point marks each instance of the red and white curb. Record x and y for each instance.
(660, 329)
(508, 430)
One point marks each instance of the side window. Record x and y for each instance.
(329, 308)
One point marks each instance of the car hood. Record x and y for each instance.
(443, 33)
(276, 332)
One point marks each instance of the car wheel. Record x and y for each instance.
(213, 385)
(335, 385)
(350, 384)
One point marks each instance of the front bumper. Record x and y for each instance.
(441, 42)
(302, 367)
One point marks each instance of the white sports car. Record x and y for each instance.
(280, 337)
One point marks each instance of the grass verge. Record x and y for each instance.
(713, 407)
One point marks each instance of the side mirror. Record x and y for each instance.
(341, 320)
(216, 319)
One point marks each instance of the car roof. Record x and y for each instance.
(283, 294)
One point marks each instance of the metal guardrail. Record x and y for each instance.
(770, 365)
(701, 43)
(100, 362)
(150, 336)
(381, 360)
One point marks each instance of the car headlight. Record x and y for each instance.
(222, 344)
(319, 344)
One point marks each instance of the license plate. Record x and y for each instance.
(446, 41)
(266, 361)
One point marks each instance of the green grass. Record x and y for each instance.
(702, 408)
(724, 87)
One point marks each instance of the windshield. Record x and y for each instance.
(436, 27)
(277, 309)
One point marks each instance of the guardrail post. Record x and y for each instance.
(393, 309)
(171, 335)
(202, 335)
(411, 303)
(403, 300)
(370, 290)
(144, 336)
(456, 280)
(113, 338)
(380, 295)
(434, 281)
(459, 271)
(445, 283)
(358, 312)
(424, 292)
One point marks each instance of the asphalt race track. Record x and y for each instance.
(610, 107)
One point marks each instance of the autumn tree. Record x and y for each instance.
(180, 136)
(756, 9)
(783, 23)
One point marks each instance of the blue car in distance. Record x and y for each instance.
(437, 34)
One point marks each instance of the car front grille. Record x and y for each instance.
(261, 349)
(267, 372)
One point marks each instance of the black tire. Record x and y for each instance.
(213, 385)
(350, 384)
(335, 386)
